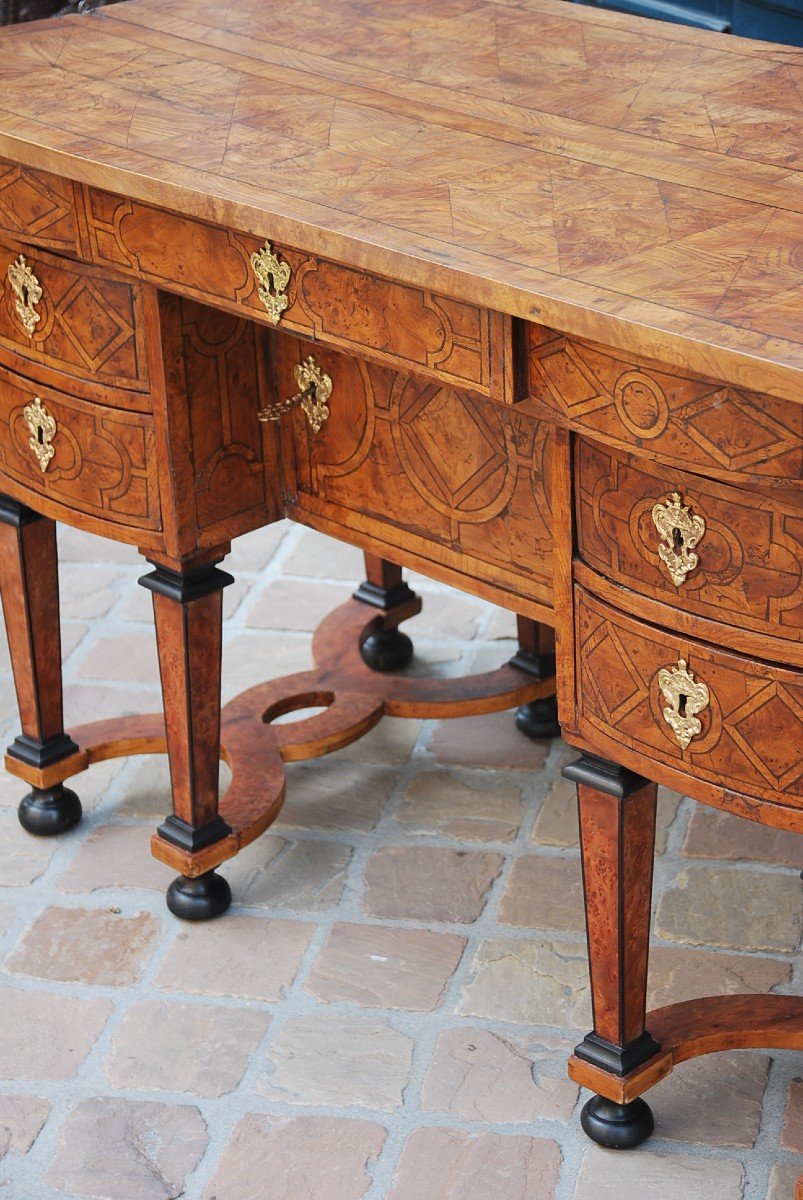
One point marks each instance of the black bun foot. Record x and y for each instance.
(198, 899)
(539, 718)
(388, 650)
(49, 811)
(617, 1126)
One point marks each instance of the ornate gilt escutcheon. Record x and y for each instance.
(27, 291)
(680, 531)
(315, 389)
(686, 697)
(312, 380)
(273, 276)
(43, 429)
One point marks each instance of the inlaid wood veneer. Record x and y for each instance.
(550, 259)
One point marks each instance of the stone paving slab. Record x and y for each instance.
(386, 1011)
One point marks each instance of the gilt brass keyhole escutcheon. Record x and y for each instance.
(273, 276)
(315, 389)
(680, 531)
(43, 428)
(27, 293)
(686, 697)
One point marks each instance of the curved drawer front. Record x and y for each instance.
(71, 318)
(99, 460)
(731, 555)
(741, 720)
(37, 205)
(682, 420)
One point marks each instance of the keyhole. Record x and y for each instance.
(681, 705)
(40, 435)
(25, 297)
(677, 540)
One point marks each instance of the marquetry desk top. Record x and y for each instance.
(638, 185)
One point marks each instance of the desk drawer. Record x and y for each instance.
(389, 322)
(442, 472)
(750, 728)
(89, 457)
(730, 555)
(38, 206)
(77, 319)
(678, 419)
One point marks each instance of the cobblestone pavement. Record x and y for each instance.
(386, 1010)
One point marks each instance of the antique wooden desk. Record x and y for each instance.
(481, 287)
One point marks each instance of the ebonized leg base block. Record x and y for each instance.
(617, 1126)
(387, 650)
(199, 899)
(539, 718)
(48, 812)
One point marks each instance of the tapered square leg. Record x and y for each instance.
(617, 842)
(536, 656)
(188, 612)
(29, 587)
(384, 588)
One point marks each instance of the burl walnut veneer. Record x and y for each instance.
(507, 292)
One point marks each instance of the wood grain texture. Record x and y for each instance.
(38, 205)
(231, 480)
(637, 188)
(681, 420)
(30, 595)
(691, 1028)
(443, 470)
(104, 462)
(617, 842)
(752, 729)
(189, 641)
(750, 568)
(90, 324)
(508, 222)
(354, 699)
(402, 326)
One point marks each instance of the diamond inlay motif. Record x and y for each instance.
(27, 203)
(609, 671)
(91, 324)
(768, 729)
(476, 456)
(737, 436)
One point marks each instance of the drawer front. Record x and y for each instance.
(730, 555)
(99, 460)
(680, 420)
(78, 320)
(37, 206)
(750, 730)
(444, 472)
(390, 322)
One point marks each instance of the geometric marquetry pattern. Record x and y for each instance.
(36, 204)
(750, 558)
(436, 464)
(104, 461)
(752, 730)
(221, 386)
(768, 728)
(680, 419)
(339, 305)
(87, 322)
(622, 173)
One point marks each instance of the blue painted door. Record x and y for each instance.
(773, 20)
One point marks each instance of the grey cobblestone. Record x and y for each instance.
(330, 1037)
